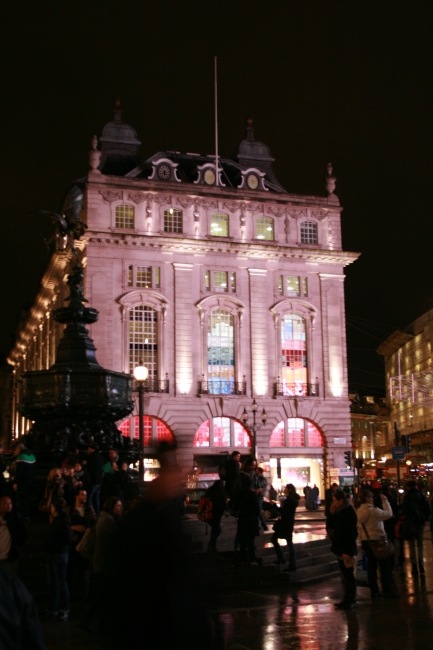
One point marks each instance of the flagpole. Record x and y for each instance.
(216, 122)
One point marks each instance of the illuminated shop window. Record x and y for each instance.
(221, 432)
(296, 432)
(293, 355)
(172, 220)
(265, 228)
(124, 216)
(308, 232)
(219, 225)
(155, 431)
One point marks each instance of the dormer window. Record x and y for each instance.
(219, 225)
(125, 216)
(309, 232)
(265, 228)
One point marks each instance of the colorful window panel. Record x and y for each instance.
(277, 437)
(163, 434)
(125, 216)
(202, 437)
(147, 426)
(221, 352)
(125, 428)
(315, 438)
(296, 434)
(221, 432)
(293, 354)
(241, 437)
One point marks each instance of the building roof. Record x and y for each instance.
(395, 341)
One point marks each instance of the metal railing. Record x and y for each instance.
(222, 387)
(152, 385)
(283, 389)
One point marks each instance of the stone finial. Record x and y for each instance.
(330, 180)
(94, 155)
(250, 130)
(117, 111)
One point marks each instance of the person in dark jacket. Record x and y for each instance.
(219, 499)
(24, 474)
(344, 545)
(13, 534)
(94, 475)
(245, 500)
(82, 517)
(115, 478)
(56, 553)
(284, 527)
(19, 620)
(416, 507)
(328, 503)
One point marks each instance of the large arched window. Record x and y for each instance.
(220, 352)
(293, 355)
(221, 432)
(125, 216)
(155, 430)
(296, 432)
(143, 339)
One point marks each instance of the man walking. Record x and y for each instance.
(417, 509)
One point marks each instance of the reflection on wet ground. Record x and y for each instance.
(304, 618)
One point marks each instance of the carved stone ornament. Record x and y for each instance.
(298, 214)
(208, 204)
(320, 215)
(278, 212)
(110, 196)
(186, 202)
(161, 200)
(137, 197)
(330, 180)
(232, 207)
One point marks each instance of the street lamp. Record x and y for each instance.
(140, 375)
(264, 417)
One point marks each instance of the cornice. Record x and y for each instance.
(203, 247)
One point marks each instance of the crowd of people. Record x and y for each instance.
(382, 520)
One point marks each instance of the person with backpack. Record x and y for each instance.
(211, 510)
(416, 510)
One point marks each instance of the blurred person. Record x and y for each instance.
(13, 534)
(263, 484)
(115, 477)
(153, 552)
(307, 494)
(370, 529)
(2, 470)
(70, 485)
(218, 497)
(54, 489)
(56, 554)
(283, 528)
(344, 545)
(82, 516)
(24, 474)
(329, 494)
(20, 628)
(389, 524)
(246, 493)
(416, 508)
(232, 469)
(314, 497)
(94, 476)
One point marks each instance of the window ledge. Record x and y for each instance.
(220, 238)
(308, 245)
(125, 231)
(264, 241)
(177, 235)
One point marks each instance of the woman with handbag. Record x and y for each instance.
(283, 527)
(372, 535)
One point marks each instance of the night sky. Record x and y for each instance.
(347, 82)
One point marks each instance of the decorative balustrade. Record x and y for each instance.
(297, 389)
(222, 387)
(152, 385)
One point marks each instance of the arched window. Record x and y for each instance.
(309, 232)
(155, 430)
(221, 432)
(143, 339)
(124, 216)
(220, 352)
(296, 432)
(219, 224)
(293, 355)
(265, 228)
(172, 220)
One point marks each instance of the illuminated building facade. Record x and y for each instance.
(225, 286)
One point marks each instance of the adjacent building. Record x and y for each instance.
(225, 286)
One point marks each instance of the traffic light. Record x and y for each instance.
(348, 458)
(403, 442)
(408, 444)
(397, 431)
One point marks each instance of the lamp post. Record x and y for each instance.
(264, 417)
(140, 375)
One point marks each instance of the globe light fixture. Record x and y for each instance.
(140, 375)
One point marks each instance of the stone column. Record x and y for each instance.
(183, 343)
(259, 331)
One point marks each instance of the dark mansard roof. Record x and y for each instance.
(120, 157)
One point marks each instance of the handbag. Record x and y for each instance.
(278, 527)
(382, 547)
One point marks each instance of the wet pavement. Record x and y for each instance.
(302, 618)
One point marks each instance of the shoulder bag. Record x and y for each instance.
(382, 547)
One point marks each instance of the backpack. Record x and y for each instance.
(205, 507)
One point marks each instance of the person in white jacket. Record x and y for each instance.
(370, 528)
